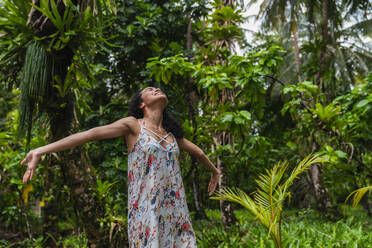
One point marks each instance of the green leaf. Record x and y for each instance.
(246, 115)
(362, 103)
(329, 149)
(291, 145)
(287, 89)
(238, 120)
(341, 154)
(59, 23)
(227, 117)
(16, 181)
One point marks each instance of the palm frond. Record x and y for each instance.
(303, 166)
(238, 196)
(267, 203)
(358, 194)
(363, 27)
(267, 196)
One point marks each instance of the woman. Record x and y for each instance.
(158, 215)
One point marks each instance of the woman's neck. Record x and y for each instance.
(154, 119)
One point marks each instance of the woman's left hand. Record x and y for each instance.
(215, 177)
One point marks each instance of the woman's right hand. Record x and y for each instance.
(32, 158)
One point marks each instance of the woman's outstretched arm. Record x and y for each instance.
(113, 130)
(198, 153)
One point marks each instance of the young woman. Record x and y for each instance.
(158, 215)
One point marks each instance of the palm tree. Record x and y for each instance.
(268, 200)
(274, 15)
(328, 58)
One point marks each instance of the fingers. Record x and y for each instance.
(213, 183)
(211, 190)
(23, 161)
(30, 168)
(31, 174)
(26, 176)
(212, 186)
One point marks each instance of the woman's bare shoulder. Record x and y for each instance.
(129, 121)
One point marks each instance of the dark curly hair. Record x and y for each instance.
(169, 123)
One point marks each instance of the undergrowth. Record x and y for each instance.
(301, 228)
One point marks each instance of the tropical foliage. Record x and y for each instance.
(268, 200)
(302, 85)
(358, 194)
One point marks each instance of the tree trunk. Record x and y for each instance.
(73, 163)
(310, 20)
(323, 53)
(296, 51)
(295, 40)
(227, 214)
(50, 211)
(223, 137)
(77, 174)
(199, 211)
(321, 192)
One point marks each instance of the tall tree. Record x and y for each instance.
(56, 36)
(326, 57)
(222, 33)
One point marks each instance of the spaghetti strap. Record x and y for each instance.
(161, 138)
(157, 135)
(139, 122)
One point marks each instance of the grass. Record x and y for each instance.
(301, 228)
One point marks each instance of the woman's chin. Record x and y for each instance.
(162, 96)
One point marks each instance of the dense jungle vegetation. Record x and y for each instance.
(286, 116)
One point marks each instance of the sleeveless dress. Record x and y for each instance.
(158, 216)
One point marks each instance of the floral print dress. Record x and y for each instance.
(158, 216)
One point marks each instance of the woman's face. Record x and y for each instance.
(152, 95)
